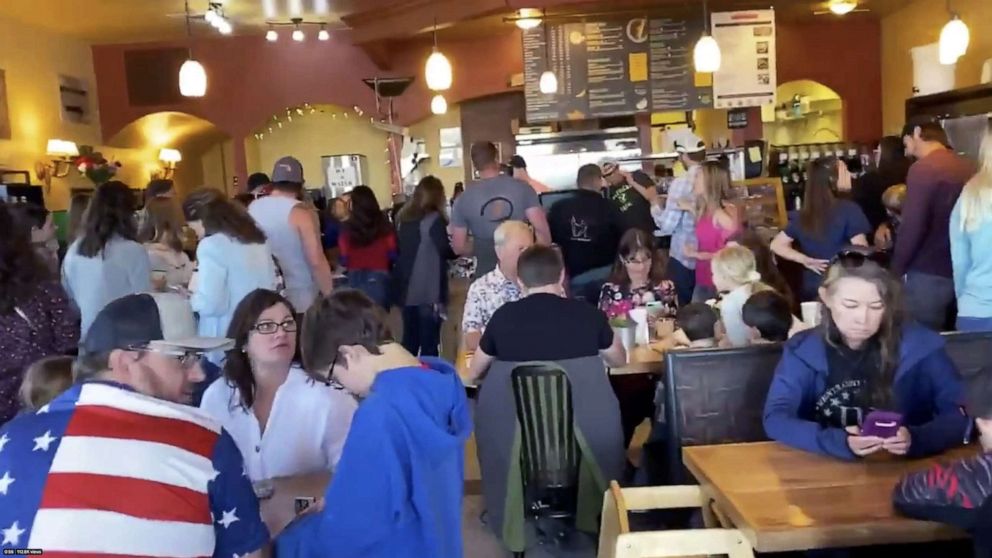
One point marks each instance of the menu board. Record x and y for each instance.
(614, 67)
(747, 44)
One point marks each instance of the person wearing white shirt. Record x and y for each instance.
(283, 423)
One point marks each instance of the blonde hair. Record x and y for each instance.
(508, 228)
(976, 198)
(717, 188)
(44, 380)
(738, 265)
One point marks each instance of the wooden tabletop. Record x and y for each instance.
(784, 499)
(642, 360)
(279, 510)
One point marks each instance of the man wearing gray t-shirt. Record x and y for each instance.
(487, 203)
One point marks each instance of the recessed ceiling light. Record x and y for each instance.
(841, 7)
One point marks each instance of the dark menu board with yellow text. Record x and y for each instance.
(614, 67)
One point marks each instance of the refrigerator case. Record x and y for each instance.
(342, 173)
(554, 159)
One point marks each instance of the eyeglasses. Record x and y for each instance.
(857, 258)
(635, 261)
(329, 381)
(269, 327)
(186, 359)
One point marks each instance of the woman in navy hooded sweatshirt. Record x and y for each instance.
(862, 358)
(397, 490)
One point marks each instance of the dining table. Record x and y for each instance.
(279, 509)
(783, 499)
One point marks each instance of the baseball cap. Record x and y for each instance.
(162, 321)
(518, 162)
(288, 169)
(608, 165)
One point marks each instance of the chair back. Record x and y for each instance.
(715, 396)
(970, 350)
(549, 451)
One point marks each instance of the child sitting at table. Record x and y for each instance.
(44, 380)
(735, 274)
(768, 317)
(697, 322)
(958, 493)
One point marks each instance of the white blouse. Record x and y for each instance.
(307, 426)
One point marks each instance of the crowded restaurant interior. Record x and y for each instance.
(494, 278)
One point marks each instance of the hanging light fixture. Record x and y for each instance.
(548, 84)
(323, 34)
(706, 55)
(439, 105)
(527, 18)
(224, 26)
(298, 35)
(843, 7)
(437, 71)
(271, 35)
(954, 38)
(192, 75)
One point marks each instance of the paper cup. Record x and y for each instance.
(811, 313)
(628, 337)
(640, 317)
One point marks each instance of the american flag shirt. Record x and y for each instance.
(103, 470)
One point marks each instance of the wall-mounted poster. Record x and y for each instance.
(747, 72)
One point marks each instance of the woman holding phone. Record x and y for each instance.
(865, 381)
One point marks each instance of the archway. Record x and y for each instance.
(805, 111)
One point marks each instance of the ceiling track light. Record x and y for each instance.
(298, 33)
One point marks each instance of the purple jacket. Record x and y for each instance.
(47, 325)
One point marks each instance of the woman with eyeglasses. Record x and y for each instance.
(283, 422)
(824, 225)
(865, 359)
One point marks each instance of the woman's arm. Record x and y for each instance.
(439, 236)
(782, 247)
(950, 425)
(211, 295)
(960, 250)
(139, 268)
(793, 379)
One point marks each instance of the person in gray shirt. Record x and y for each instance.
(487, 203)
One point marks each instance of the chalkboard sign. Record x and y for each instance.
(614, 67)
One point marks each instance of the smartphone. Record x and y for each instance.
(301, 503)
(882, 424)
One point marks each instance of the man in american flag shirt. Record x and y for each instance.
(117, 464)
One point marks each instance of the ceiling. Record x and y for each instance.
(113, 21)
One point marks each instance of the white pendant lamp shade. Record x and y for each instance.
(438, 71)
(271, 36)
(323, 35)
(548, 83)
(298, 35)
(192, 79)
(707, 55)
(954, 39)
(439, 105)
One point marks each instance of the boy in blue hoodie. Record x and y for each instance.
(397, 491)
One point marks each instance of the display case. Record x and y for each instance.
(764, 203)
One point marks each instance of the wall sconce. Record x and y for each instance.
(169, 158)
(62, 154)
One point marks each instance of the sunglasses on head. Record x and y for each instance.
(858, 258)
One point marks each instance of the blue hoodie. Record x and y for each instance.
(928, 392)
(397, 491)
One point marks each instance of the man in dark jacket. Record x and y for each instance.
(958, 493)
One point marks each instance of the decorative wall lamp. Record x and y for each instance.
(169, 158)
(62, 153)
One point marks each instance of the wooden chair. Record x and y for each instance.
(715, 396)
(617, 541)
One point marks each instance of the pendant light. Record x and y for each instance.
(706, 55)
(843, 7)
(439, 105)
(437, 71)
(954, 39)
(192, 75)
(527, 19)
(548, 84)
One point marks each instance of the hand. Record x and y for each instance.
(843, 177)
(315, 507)
(898, 444)
(690, 251)
(686, 204)
(862, 445)
(883, 236)
(815, 265)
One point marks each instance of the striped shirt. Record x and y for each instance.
(103, 470)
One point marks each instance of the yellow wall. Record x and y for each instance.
(917, 24)
(429, 130)
(827, 127)
(33, 59)
(218, 166)
(311, 136)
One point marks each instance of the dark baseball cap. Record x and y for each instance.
(288, 169)
(151, 320)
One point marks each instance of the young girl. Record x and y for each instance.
(735, 273)
(716, 221)
(45, 380)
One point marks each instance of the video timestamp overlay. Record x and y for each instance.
(22, 551)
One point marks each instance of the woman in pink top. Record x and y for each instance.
(716, 222)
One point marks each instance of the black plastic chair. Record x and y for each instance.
(549, 451)
(970, 351)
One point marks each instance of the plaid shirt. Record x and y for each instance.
(678, 223)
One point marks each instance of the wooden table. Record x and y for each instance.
(642, 360)
(784, 499)
(279, 510)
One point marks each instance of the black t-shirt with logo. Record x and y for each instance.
(846, 399)
(635, 210)
(587, 227)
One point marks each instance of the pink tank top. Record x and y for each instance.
(710, 238)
